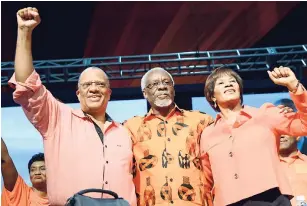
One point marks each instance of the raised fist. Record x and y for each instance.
(28, 18)
(283, 76)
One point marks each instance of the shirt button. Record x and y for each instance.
(106, 146)
(106, 182)
(107, 162)
(230, 137)
(230, 154)
(169, 139)
(236, 176)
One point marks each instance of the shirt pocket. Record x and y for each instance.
(118, 153)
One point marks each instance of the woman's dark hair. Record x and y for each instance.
(211, 80)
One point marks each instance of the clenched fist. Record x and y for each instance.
(28, 18)
(284, 76)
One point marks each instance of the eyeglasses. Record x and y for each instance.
(156, 84)
(99, 84)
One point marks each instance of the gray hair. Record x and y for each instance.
(93, 68)
(144, 78)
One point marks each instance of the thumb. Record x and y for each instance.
(18, 16)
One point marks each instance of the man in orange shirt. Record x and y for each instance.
(165, 146)
(302, 141)
(16, 192)
(295, 165)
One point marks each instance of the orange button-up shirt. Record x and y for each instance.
(295, 167)
(166, 150)
(22, 195)
(242, 160)
(75, 157)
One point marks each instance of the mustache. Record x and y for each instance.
(163, 93)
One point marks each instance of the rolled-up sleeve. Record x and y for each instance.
(40, 107)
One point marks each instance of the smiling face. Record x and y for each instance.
(288, 144)
(226, 89)
(223, 87)
(159, 89)
(93, 91)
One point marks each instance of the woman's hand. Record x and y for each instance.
(284, 76)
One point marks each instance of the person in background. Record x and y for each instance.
(302, 141)
(15, 191)
(84, 148)
(294, 164)
(239, 151)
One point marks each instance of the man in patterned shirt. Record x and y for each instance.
(165, 146)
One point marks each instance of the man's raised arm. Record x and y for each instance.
(27, 20)
(8, 168)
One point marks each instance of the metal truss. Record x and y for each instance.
(178, 64)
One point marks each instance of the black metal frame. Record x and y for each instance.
(179, 64)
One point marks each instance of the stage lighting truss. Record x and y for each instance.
(178, 64)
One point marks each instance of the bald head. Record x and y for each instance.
(91, 74)
(94, 91)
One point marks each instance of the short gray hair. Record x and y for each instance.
(144, 78)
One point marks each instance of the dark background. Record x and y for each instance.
(97, 29)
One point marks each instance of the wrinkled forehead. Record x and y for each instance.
(157, 76)
(37, 164)
(93, 75)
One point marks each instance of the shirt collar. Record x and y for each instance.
(79, 113)
(293, 157)
(246, 111)
(176, 110)
(297, 155)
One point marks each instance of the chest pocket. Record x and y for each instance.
(118, 151)
(118, 144)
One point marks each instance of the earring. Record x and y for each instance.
(214, 104)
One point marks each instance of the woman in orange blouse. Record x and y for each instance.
(239, 151)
